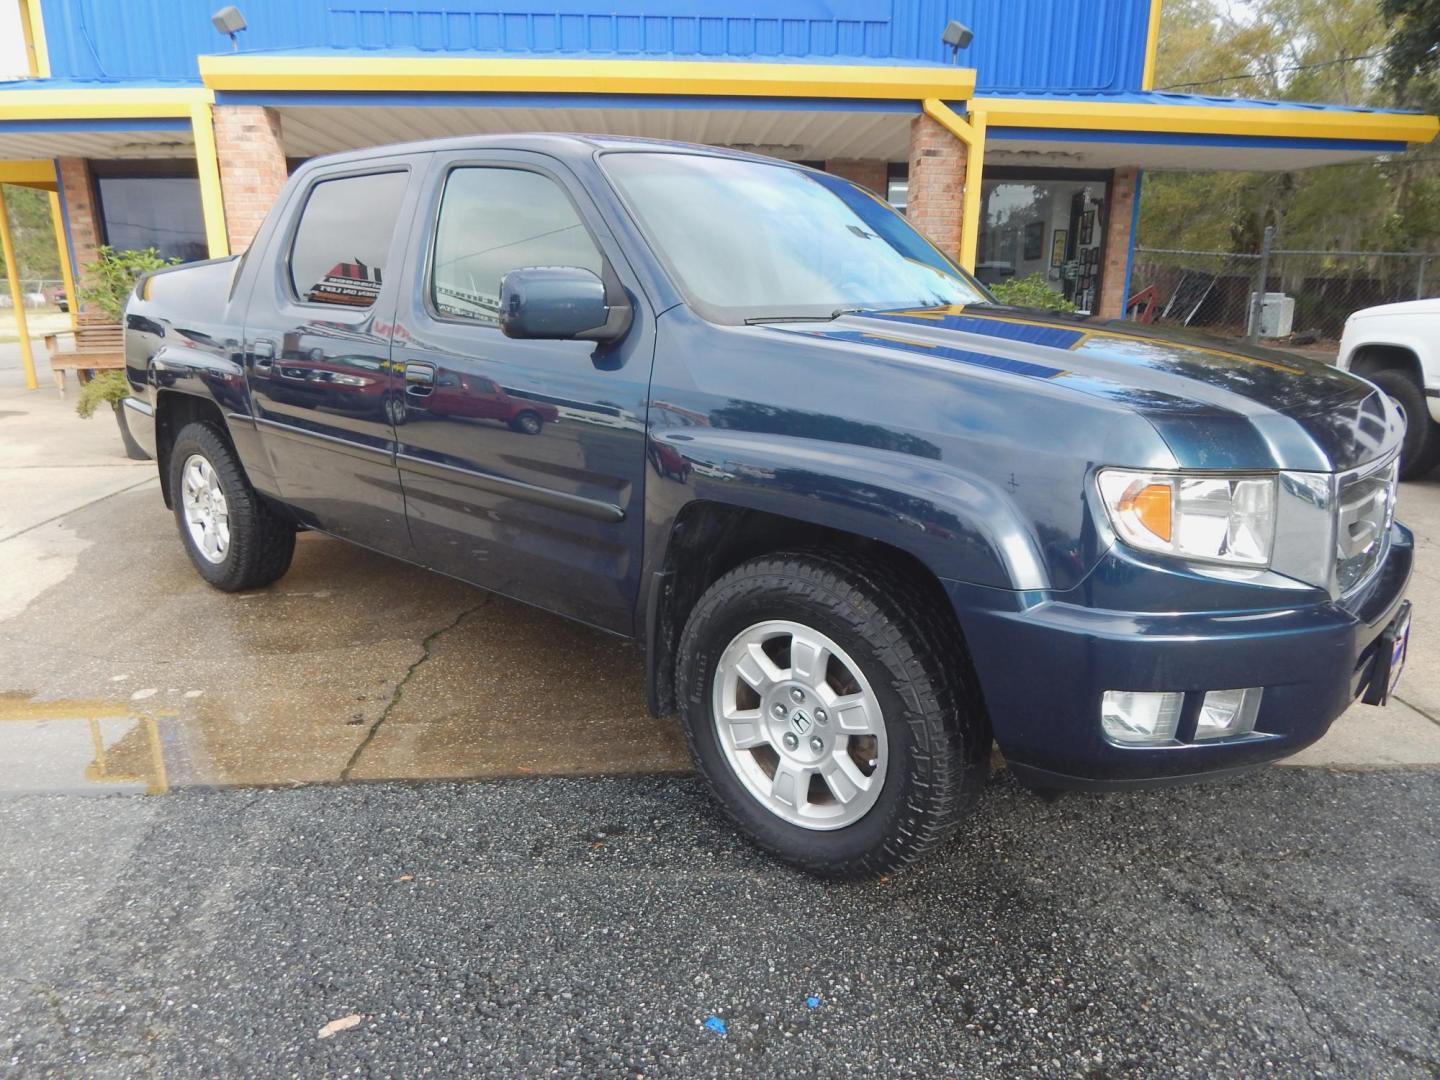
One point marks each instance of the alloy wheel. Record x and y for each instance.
(207, 514)
(800, 725)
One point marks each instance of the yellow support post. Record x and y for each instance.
(32, 32)
(974, 171)
(207, 164)
(1152, 46)
(17, 295)
(62, 245)
(971, 132)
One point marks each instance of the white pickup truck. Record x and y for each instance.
(1397, 347)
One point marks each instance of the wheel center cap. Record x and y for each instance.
(800, 722)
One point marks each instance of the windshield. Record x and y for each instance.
(752, 241)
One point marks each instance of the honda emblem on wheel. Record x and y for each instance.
(800, 722)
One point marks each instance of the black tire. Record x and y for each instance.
(909, 650)
(1420, 452)
(262, 542)
(527, 423)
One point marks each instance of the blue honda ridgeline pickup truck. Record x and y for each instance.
(863, 518)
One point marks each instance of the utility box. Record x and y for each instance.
(1277, 315)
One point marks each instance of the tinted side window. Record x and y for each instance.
(342, 244)
(493, 221)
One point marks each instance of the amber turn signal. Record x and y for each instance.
(1151, 506)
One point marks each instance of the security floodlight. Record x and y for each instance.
(958, 36)
(228, 20)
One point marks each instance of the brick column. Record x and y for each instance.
(935, 202)
(252, 167)
(1119, 216)
(80, 209)
(868, 172)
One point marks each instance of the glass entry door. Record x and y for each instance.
(1050, 225)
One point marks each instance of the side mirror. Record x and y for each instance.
(559, 302)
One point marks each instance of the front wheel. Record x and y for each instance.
(828, 706)
(233, 537)
(1420, 449)
(527, 423)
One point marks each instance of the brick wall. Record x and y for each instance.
(252, 167)
(80, 212)
(868, 172)
(934, 204)
(1119, 216)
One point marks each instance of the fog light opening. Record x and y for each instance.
(1140, 717)
(1226, 713)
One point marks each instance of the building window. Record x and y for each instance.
(1047, 224)
(897, 184)
(145, 204)
(342, 244)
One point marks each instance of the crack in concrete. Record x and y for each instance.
(1423, 712)
(396, 694)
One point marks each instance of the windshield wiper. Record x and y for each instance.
(759, 319)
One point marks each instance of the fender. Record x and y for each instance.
(1392, 331)
(961, 527)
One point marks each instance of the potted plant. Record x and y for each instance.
(1030, 292)
(112, 276)
(110, 280)
(110, 387)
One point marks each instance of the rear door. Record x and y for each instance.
(522, 461)
(318, 349)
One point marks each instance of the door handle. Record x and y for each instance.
(263, 350)
(419, 379)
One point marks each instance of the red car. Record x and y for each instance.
(479, 398)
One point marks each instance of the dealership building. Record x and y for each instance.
(1020, 145)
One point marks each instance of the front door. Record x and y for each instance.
(522, 461)
(318, 352)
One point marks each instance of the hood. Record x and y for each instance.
(1405, 307)
(1216, 404)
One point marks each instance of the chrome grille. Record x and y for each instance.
(1364, 511)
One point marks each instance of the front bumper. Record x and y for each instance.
(1043, 669)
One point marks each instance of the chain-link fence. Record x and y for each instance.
(37, 292)
(1305, 293)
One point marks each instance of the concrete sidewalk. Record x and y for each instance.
(355, 666)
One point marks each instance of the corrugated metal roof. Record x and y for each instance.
(1018, 44)
(1164, 97)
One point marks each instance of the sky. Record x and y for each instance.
(12, 45)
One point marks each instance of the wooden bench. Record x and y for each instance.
(99, 346)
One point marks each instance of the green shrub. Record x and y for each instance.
(115, 274)
(1031, 292)
(106, 388)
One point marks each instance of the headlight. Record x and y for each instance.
(1229, 519)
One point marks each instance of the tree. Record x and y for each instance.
(30, 226)
(1412, 54)
(1301, 50)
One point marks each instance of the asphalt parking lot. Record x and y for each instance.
(373, 792)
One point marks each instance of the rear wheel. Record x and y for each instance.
(827, 706)
(233, 537)
(1420, 450)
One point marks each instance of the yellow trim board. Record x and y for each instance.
(495, 75)
(1152, 46)
(31, 174)
(1279, 122)
(207, 166)
(32, 30)
(100, 104)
